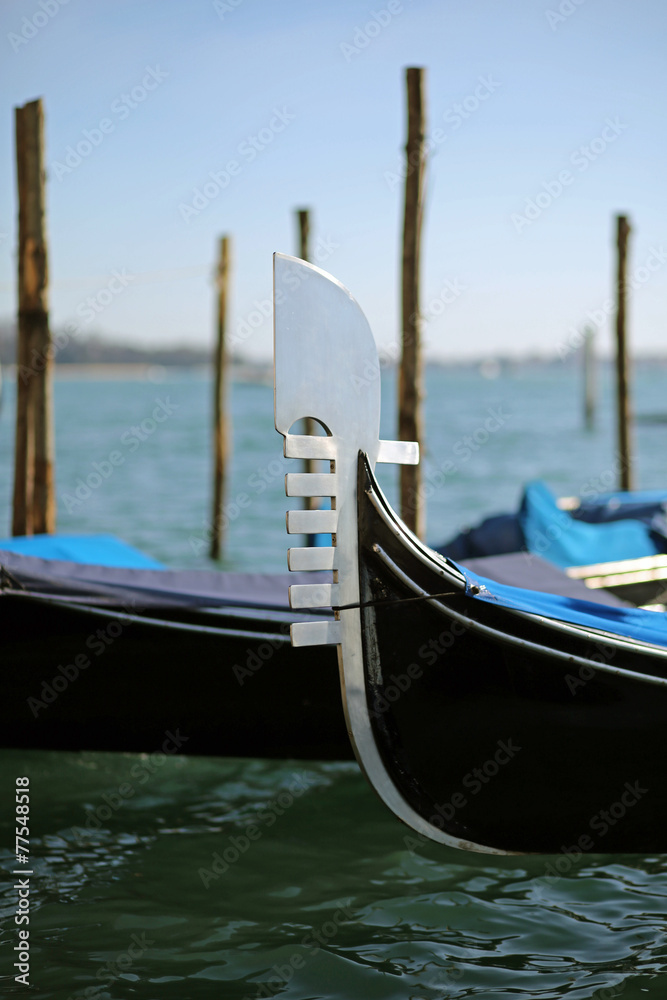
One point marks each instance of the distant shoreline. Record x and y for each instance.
(258, 372)
(145, 371)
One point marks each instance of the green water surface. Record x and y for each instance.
(203, 878)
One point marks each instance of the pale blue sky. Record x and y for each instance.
(552, 83)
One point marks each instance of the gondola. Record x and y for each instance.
(487, 717)
(100, 657)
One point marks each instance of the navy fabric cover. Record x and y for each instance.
(495, 536)
(624, 498)
(530, 572)
(150, 588)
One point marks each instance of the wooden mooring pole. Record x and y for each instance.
(220, 417)
(303, 219)
(303, 222)
(34, 506)
(590, 379)
(626, 477)
(410, 385)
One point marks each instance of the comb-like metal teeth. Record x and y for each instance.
(310, 484)
(313, 595)
(311, 522)
(309, 446)
(399, 452)
(320, 557)
(316, 633)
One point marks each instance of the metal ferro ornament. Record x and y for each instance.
(324, 351)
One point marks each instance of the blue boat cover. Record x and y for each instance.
(632, 623)
(89, 550)
(504, 533)
(557, 536)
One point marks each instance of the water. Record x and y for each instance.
(158, 497)
(148, 881)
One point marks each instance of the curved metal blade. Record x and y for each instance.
(326, 363)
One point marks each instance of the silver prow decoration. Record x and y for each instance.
(327, 368)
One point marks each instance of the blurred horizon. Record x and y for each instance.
(170, 125)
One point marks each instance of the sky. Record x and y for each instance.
(169, 124)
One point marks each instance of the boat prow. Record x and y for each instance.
(487, 717)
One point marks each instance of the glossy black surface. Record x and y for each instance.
(231, 695)
(500, 745)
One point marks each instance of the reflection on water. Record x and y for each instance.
(219, 879)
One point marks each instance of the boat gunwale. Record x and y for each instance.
(384, 509)
(150, 622)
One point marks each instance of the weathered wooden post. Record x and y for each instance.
(34, 508)
(626, 477)
(303, 222)
(220, 419)
(410, 385)
(590, 379)
(303, 219)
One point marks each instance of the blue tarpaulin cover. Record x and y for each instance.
(632, 623)
(90, 550)
(557, 536)
(561, 537)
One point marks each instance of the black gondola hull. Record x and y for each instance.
(240, 690)
(489, 739)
